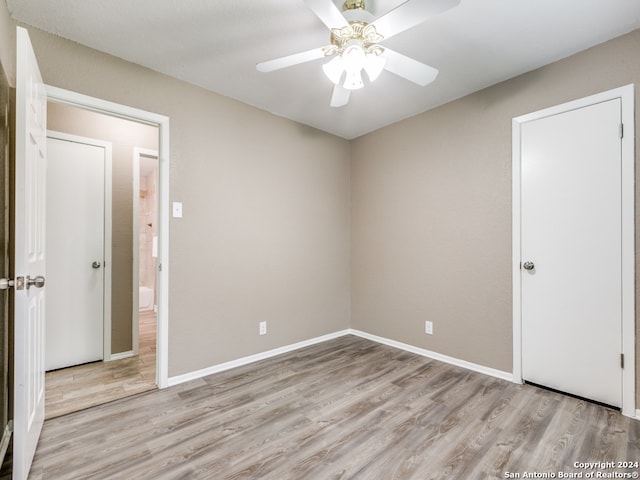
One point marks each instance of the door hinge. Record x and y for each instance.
(622, 360)
(621, 130)
(7, 283)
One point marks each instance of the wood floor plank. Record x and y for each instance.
(344, 409)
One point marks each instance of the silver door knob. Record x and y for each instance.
(95, 265)
(37, 282)
(528, 265)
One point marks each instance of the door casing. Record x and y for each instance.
(626, 94)
(59, 95)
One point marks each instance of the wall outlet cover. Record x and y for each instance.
(428, 328)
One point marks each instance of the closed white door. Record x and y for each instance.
(76, 250)
(29, 316)
(571, 252)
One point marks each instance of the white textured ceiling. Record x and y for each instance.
(216, 44)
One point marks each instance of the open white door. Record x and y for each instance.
(30, 175)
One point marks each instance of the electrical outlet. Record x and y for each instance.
(263, 328)
(428, 328)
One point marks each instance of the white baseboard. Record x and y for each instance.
(492, 372)
(178, 379)
(253, 358)
(120, 356)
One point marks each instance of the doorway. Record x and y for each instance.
(124, 370)
(573, 241)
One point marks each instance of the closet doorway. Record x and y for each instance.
(573, 248)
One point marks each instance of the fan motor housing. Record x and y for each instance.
(353, 5)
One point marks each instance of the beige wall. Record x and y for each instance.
(265, 233)
(431, 209)
(124, 136)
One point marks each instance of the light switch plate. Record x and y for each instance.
(177, 209)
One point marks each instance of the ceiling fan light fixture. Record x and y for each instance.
(353, 57)
(353, 80)
(334, 70)
(373, 65)
(355, 44)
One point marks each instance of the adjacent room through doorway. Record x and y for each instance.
(126, 361)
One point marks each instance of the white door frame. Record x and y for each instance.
(137, 153)
(628, 341)
(106, 349)
(67, 97)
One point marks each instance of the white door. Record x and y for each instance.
(571, 251)
(75, 250)
(30, 179)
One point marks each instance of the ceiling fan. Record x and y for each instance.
(355, 44)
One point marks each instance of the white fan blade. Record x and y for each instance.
(409, 68)
(340, 96)
(410, 14)
(290, 60)
(327, 11)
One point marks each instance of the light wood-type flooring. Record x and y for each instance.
(76, 388)
(343, 409)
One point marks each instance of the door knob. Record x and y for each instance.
(528, 265)
(37, 282)
(95, 265)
